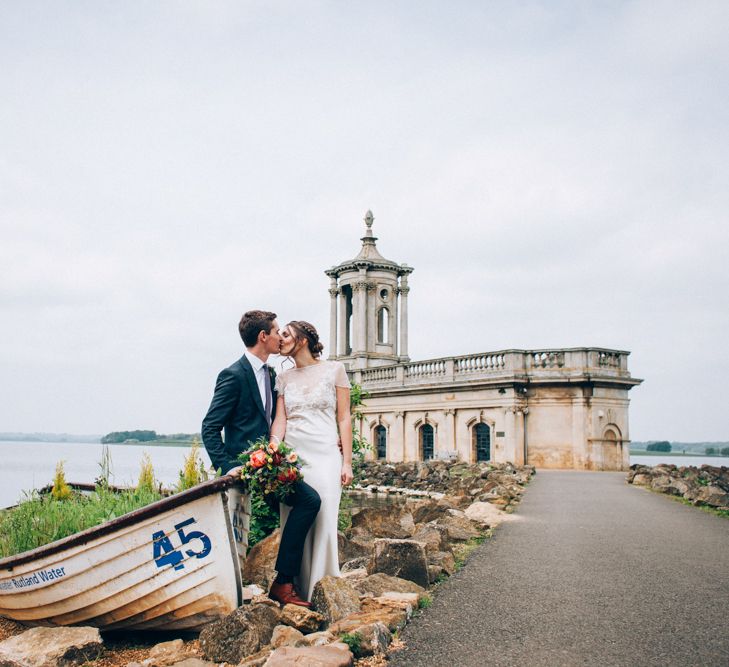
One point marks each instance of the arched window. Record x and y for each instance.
(482, 441)
(381, 441)
(383, 325)
(426, 442)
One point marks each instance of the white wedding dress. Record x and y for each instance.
(311, 430)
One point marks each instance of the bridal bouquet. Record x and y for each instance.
(270, 468)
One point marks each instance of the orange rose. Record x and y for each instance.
(258, 459)
(292, 458)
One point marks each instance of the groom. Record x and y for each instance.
(243, 406)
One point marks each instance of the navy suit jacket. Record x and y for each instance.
(236, 410)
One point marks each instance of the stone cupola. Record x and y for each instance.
(369, 314)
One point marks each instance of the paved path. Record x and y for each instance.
(596, 572)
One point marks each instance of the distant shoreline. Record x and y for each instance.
(687, 453)
(145, 443)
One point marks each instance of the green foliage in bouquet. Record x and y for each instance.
(264, 520)
(270, 468)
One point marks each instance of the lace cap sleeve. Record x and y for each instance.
(340, 375)
(280, 385)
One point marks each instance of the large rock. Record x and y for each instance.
(240, 634)
(356, 546)
(406, 601)
(374, 639)
(714, 496)
(332, 655)
(427, 512)
(405, 559)
(486, 514)
(433, 535)
(355, 564)
(168, 653)
(258, 659)
(393, 522)
(51, 647)
(301, 618)
(319, 638)
(459, 528)
(259, 565)
(444, 560)
(393, 617)
(380, 583)
(335, 598)
(284, 635)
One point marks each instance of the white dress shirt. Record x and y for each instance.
(259, 370)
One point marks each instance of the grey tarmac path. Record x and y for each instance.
(594, 572)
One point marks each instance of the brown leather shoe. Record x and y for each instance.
(286, 594)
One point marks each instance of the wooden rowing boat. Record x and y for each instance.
(171, 565)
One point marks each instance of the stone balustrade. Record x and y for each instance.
(566, 362)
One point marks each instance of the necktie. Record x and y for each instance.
(267, 386)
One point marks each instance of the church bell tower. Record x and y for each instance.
(369, 307)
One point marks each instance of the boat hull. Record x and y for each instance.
(173, 565)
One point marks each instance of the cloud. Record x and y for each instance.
(554, 172)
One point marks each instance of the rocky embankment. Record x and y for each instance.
(707, 485)
(389, 558)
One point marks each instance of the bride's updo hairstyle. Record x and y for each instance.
(305, 331)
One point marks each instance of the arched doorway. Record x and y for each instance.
(611, 459)
(481, 441)
(381, 441)
(426, 442)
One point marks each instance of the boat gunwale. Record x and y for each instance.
(207, 488)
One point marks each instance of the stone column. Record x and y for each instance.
(404, 290)
(333, 292)
(395, 321)
(342, 337)
(397, 443)
(450, 434)
(360, 325)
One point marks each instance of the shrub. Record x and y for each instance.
(147, 479)
(61, 490)
(193, 469)
(354, 641)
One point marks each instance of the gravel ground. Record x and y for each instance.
(597, 572)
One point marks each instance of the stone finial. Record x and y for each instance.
(369, 219)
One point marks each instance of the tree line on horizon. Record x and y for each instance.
(142, 435)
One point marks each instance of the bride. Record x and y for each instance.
(313, 416)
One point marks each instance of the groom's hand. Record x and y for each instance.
(235, 472)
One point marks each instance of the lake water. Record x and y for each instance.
(31, 465)
(681, 460)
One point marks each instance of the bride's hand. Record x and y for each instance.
(347, 475)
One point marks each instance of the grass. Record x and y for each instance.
(39, 520)
(461, 552)
(706, 508)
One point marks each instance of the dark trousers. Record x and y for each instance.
(305, 503)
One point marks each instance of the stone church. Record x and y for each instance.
(556, 408)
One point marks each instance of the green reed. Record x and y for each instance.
(40, 519)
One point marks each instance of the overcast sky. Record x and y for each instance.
(556, 172)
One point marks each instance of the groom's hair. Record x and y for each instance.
(252, 323)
